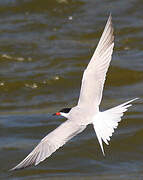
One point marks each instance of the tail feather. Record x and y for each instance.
(105, 122)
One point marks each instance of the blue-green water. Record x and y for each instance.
(44, 47)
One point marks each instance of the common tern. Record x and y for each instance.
(87, 109)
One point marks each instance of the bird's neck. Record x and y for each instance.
(64, 114)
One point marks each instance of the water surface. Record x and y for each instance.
(44, 47)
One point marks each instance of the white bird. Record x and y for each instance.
(87, 110)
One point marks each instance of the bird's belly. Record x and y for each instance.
(82, 117)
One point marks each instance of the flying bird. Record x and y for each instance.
(87, 109)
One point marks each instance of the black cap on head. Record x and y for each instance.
(65, 110)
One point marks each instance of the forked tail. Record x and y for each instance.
(105, 122)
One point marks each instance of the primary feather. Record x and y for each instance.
(95, 73)
(51, 143)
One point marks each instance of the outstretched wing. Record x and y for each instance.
(95, 73)
(51, 143)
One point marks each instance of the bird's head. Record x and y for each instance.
(63, 112)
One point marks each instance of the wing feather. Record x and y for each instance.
(95, 73)
(51, 143)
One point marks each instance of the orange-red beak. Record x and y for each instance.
(57, 114)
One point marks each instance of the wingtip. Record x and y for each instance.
(110, 14)
(109, 23)
(12, 169)
(16, 169)
(134, 99)
(110, 17)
